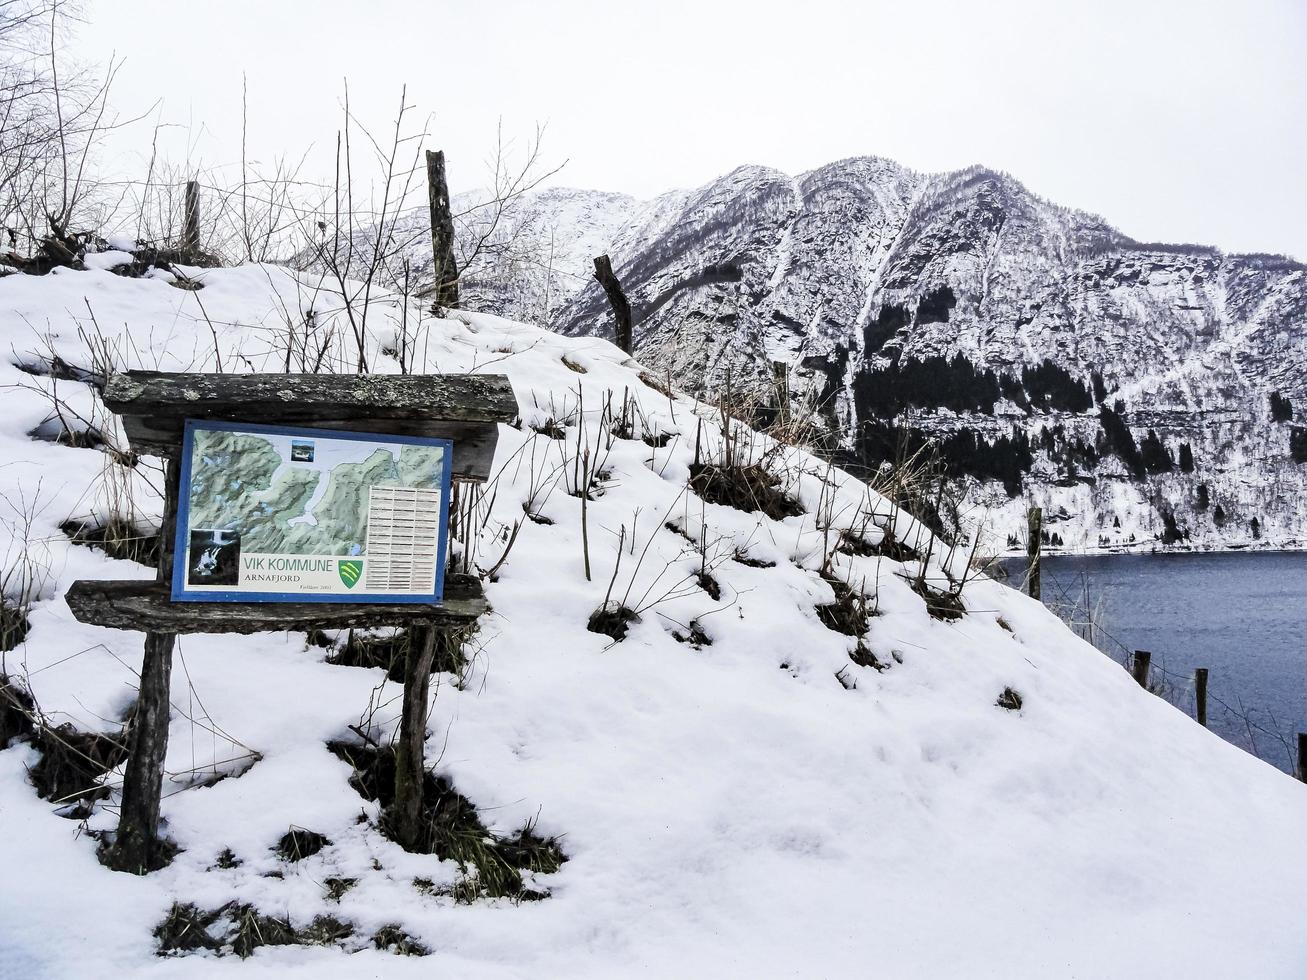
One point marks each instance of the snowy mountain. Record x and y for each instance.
(731, 713)
(1145, 395)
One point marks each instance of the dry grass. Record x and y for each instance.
(751, 488)
(1009, 699)
(452, 830)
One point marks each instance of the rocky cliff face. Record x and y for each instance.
(1145, 395)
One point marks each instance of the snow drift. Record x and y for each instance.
(794, 763)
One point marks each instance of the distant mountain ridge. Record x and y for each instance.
(1055, 359)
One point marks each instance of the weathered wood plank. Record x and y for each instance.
(136, 846)
(410, 763)
(138, 605)
(474, 442)
(291, 399)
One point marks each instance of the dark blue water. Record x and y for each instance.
(1242, 615)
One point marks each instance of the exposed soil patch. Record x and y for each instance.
(397, 941)
(337, 887)
(16, 712)
(185, 929)
(848, 614)
(529, 851)
(57, 368)
(863, 657)
(117, 539)
(71, 765)
(240, 929)
(147, 257)
(60, 433)
(205, 778)
(13, 625)
(888, 547)
(747, 488)
(612, 620)
(695, 636)
(453, 831)
(947, 606)
(550, 429)
(227, 860)
(656, 441)
(656, 383)
(709, 585)
(1009, 699)
(319, 638)
(678, 530)
(325, 930)
(299, 843)
(743, 558)
(854, 544)
(390, 651)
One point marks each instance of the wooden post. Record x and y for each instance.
(442, 231)
(1200, 695)
(410, 764)
(1139, 667)
(191, 229)
(1302, 756)
(780, 372)
(1034, 542)
(617, 300)
(135, 849)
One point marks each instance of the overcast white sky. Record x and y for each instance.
(1182, 121)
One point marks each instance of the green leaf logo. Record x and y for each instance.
(350, 571)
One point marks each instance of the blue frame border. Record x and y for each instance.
(181, 531)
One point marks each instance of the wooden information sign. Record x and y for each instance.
(457, 414)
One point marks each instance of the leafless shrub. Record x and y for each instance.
(25, 572)
(52, 116)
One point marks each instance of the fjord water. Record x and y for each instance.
(1243, 615)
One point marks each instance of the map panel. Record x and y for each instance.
(304, 514)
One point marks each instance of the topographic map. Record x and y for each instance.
(281, 503)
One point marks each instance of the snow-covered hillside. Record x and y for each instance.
(815, 751)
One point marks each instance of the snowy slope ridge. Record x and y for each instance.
(786, 800)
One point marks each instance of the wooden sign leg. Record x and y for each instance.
(136, 847)
(410, 764)
(138, 823)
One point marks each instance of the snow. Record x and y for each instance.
(111, 259)
(729, 810)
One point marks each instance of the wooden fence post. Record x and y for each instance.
(780, 372)
(442, 231)
(1034, 541)
(135, 849)
(1302, 756)
(1200, 694)
(410, 764)
(606, 278)
(191, 229)
(1139, 667)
